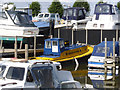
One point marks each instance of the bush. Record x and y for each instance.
(118, 5)
(56, 7)
(101, 1)
(82, 3)
(35, 6)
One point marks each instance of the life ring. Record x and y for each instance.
(18, 60)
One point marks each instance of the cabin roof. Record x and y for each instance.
(17, 12)
(76, 8)
(100, 4)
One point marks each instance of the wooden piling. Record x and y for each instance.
(15, 46)
(101, 35)
(1, 44)
(58, 32)
(34, 44)
(105, 59)
(26, 51)
(113, 58)
(119, 46)
(86, 36)
(105, 48)
(117, 35)
(72, 36)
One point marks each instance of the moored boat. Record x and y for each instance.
(16, 23)
(55, 50)
(96, 63)
(35, 74)
(106, 17)
(76, 16)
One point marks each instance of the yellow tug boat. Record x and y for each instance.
(55, 50)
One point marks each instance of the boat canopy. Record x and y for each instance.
(74, 13)
(99, 50)
(21, 18)
(105, 9)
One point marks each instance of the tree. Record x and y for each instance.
(118, 5)
(101, 1)
(35, 6)
(82, 3)
(56, 7)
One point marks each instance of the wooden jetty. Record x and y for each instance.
(15, 51)
(115, 62)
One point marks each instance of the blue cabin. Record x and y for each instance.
(54, 46)
(99, 50)
(74, 13)
(105, 9)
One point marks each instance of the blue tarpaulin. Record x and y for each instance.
(99, 50)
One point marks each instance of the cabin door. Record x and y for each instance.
(54, 46)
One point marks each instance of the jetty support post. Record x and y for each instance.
(26, 51)
(34, 44)
(119, 47)
(114, 59)
(52, 22)
(117, 35)
(15, 47)
(105, 59)
(1, 42)
(58, 32)
(86, 36)
(72, 36)
(101, 34)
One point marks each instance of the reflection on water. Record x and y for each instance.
(87, 80)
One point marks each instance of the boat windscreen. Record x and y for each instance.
(43, 75)
(2, 69)
(16, 73)
(41, 16)
(21, 18)
(102, 9)
(24, 19)
(3, 15)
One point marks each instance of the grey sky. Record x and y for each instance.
(52, 0)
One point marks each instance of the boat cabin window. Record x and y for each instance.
(20, 18)
(74, 13)
(54, 43)
(80, 13)
(16, 73)
(61, 43)
(48, 44)
(2, 69)
(3, 15)
(65, 12)
(53, 16)
(46, 15)
(69, 12)
(41, 15)
(68, 85)
(24, 19)
(43, 76)
(29, 77)
(103, 9)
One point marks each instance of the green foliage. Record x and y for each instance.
(82, 3)
(35, 6)
(13, 4)
(56, 7)
(101, 1)
(118, 5)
